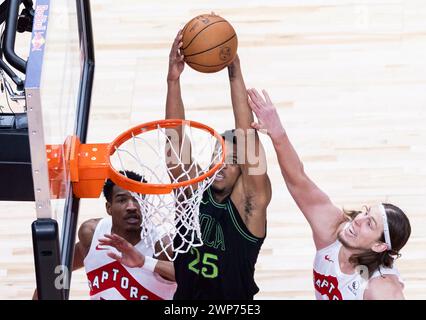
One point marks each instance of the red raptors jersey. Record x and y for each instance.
(110, 280)
(332, 284)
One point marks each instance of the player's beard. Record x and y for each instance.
(216, 189)
(345, 243)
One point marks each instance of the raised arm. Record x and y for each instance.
(175, 110)
(253, 188)
(174, 103)
(323, 217)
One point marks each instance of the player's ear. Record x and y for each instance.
(108, 207)
(379, 247)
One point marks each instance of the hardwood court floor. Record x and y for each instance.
(348, 78)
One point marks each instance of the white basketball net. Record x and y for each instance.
(167, 216)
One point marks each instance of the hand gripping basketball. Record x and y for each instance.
(209, 43)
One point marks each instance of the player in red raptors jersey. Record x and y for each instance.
(356, 249)
(108, 278)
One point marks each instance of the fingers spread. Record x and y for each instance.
(268, 100)
(253, 106)
(256, 94)
(104, 241)
(114, 256)
(256, 101)
(117, 237)
(112, 240)
(252, 95)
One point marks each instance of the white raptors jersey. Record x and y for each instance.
(332, 284)
(110, 280)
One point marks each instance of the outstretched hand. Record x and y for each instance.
(130, 257)
(266, 113)
(176, 59)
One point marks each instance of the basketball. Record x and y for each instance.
(209, 43)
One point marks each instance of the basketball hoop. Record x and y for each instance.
(176, 176)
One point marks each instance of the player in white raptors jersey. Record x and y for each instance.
(355, 249)
(108, 278)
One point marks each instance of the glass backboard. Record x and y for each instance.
(58, 71)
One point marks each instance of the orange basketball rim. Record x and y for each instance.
(89, 165)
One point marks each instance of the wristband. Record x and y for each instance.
(149, 264)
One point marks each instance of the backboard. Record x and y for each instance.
(59, 77)
(53, 75)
